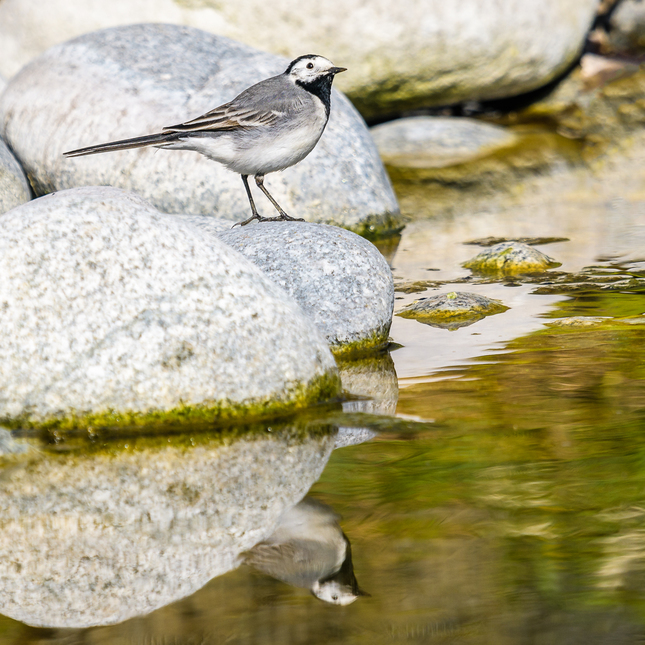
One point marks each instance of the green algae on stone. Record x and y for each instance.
(374, 227)
(591, 279)
(416, 286)
(373, 344)
(319, 389)
(435, 191)
(599, 103)
(452, 310)
(510, 258)
(597, 322)
(102, 531)
(112, 441)
(531, 241)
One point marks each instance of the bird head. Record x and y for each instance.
(310, 68)
(337, 593)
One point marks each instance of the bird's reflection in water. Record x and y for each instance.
(308, 549)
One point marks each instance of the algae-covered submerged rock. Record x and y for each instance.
(338, 278)
(510, 258)
(627, 26)
(599, 103)
(95, 538)
(112, 313)
(452, 310)
(159, 75)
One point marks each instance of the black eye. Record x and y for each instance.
(310, 65)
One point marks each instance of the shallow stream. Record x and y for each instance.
(501, 499)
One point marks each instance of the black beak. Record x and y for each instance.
(337, 70)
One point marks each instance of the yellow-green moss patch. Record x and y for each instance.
(320, 389)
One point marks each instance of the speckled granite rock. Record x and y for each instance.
(210, 225)
(114, 313)
(401, 55)
(452, 310)
(96, 537)
(436, 142)
(159, 75)
(510, 257)
(14, 187)
(338, 278)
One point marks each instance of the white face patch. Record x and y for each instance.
(310, 68)
(334, 593)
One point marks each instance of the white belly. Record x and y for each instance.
(261, 151)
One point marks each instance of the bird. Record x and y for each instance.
(309, 549)
(270, 126)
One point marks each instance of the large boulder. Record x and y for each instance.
(401, 55)
(338, 278)
(14, 187)
(130, 81)
(112, 313)
(97, 536)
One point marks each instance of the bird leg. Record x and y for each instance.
(254, 210)
(259, 180)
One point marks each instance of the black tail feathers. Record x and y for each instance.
(125, 144)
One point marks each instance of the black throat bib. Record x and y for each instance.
(320, 87)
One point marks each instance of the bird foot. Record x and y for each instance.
(282, 218)
(248, 221)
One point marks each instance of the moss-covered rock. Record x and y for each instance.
(452, 310)
(510, 258)
(113, 314)
(340, 280)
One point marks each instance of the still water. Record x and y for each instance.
(487, 485)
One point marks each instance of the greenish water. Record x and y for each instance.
(501, 499)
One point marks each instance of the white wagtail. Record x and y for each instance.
(309, 549)
(268, 127)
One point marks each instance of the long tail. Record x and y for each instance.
(126, 144)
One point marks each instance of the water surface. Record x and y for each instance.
(501, 499)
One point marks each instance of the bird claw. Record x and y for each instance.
(287, 218)
(282, 218)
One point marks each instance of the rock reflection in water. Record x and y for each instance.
(374, 380)
(308, 549)
(374, 383)
(94, 538)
